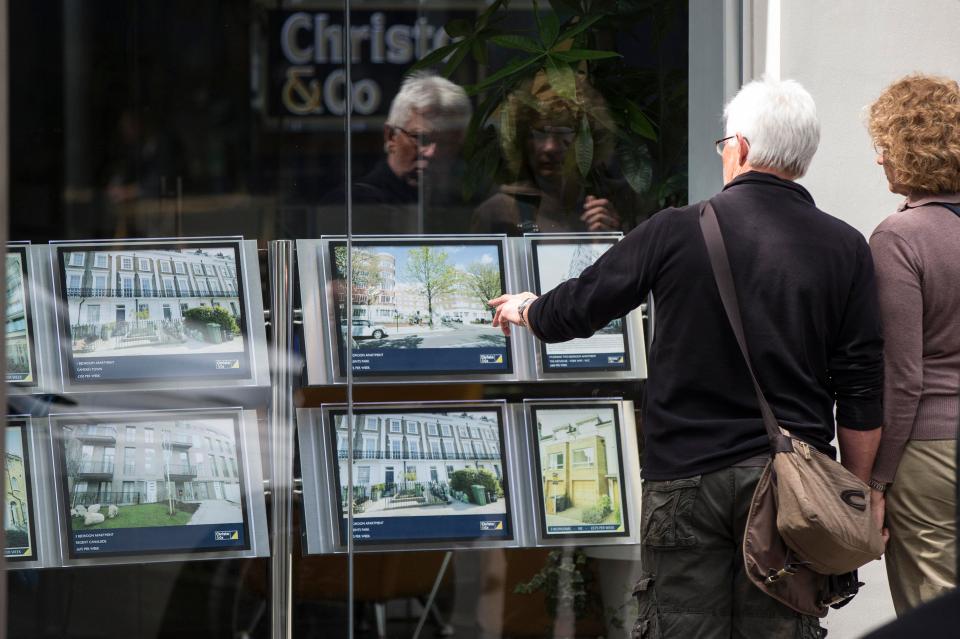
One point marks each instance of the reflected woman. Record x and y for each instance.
(915, 126)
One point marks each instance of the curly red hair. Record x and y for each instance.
(916, 123)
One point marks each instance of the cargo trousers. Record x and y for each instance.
(693, 584)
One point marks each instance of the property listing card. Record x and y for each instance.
(21, 347)
(141, 483)
(554, 262)
(580, 469)
(419, 307)
(18, 505)
(422, 475)
(134, 312)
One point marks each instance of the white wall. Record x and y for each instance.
(845, 53)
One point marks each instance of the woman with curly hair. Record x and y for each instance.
(915, 126)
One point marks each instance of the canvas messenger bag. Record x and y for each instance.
(810, 517)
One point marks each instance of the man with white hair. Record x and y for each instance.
(805, 286)
(421, 138)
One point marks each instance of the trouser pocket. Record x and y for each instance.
(666, 513)
(648, 622)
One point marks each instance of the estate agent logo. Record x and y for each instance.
(491, 359)
(226, 535)
(491, 525)
(227, 363)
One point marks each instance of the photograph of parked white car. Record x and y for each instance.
(581, 478)
(427, 296)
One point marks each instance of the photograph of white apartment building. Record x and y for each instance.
(421, 296)
(153, 301)
(20, 365)
(422, 463)
(579, 453)
(163, 472)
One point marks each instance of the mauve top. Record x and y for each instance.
(917, 256)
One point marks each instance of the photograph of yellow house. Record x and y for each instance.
(581, 485)
(16, 511)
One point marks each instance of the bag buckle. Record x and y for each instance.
(773, 576)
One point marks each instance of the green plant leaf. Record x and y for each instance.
(516, 66)
(458, 28)
(549, 28)
(455, 60)
(484, 17)
(562, 79)
(584, 147)
(479, 49)
(637, 166)
(580, 27)
(572, 6)
(639, 122)
(434, 57)
(513, 41)
(577, 55)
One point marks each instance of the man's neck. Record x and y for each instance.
(747, 167)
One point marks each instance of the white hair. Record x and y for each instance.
(425, 92)
(779, 121)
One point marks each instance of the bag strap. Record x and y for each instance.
(720, 264)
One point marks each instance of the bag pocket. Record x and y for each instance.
(666, 513)
(647, 625)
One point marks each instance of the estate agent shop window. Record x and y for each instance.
(247, 319)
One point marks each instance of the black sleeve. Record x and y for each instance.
(856, 363)
(614, 285)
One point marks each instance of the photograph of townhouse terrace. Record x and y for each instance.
(127, 301)
(146, 473)
(581, 488)
(17, 511)
(20, 349)
(421, 464)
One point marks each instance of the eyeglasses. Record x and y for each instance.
(422, 140)
(722, 142)
(562, 134)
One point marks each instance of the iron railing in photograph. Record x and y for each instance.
(96, 433)
(120, 291)
(95, 468)
(379, 454)
(180, 470)
(88, 498)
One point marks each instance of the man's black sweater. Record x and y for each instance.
(805, 286)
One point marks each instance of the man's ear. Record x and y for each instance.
(388, 134)
(743, 149)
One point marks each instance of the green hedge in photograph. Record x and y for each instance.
(462, 480)
(198, 317)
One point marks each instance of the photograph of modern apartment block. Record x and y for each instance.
(579, 453)
(422, 463)
(16, 505)
(153, 301)
(165, 472)
(421, 296)
(20, 366)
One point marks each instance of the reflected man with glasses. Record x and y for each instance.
(421, 138)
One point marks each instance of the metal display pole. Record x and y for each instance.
(280, 265)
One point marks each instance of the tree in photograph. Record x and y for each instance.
(429, 268)
(365, 275)
(484, 282)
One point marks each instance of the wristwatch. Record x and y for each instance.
(879, 486)
(520, 309)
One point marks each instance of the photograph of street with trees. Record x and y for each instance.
(421, 296)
